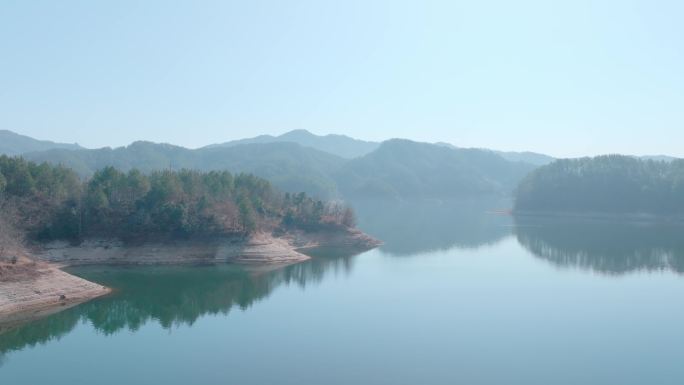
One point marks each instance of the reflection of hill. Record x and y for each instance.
(170, 296)
(411, 227)
(612, 248)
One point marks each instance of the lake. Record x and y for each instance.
(457, 295)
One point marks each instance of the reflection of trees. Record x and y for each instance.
(16, 338)
(602, 246)
(412, 227)
(324, 261)
(170, 296)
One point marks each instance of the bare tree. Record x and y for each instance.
(10, 239)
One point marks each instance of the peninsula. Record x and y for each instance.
(50, 219)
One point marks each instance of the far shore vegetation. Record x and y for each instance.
(612, 184)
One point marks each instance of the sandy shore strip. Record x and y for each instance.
(35, 289)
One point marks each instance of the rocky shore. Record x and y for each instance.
(31, 289)
(260, 248)
(34, 285)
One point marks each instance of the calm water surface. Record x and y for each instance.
(455, 296)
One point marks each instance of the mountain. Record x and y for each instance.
(396, 169)
(289, 166)
(404, 169)
(513, 156)
(340, 145)
(12, 143)
(293, 162)
(526, 157)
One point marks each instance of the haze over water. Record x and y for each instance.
(473, 298)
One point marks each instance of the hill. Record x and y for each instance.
(613, 184)
(404, 169)
(526, 157)
(340, 145)
(513, 156)
(12, 143)
(399, 169)
(288, 166)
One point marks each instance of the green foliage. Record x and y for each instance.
(178, 203)
(65, 223)
(19, 180)
(305, 212)
(52, 203)
(22, 178)
(288, 166)
(394, 169)
(610, 184)
(247, 214)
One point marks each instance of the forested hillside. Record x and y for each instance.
(290, 167)
(406, 169)
(395, 169)
(50, 202)
(611, 184)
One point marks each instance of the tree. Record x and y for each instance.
(348, 217)
(3, 183)
(247, 215)
(50, 202)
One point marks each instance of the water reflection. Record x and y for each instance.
(171, 296)
(413, 227)
(608, 247)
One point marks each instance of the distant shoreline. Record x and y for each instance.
(601, 216)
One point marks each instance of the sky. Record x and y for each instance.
(566, 78)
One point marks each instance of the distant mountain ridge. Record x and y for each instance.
(397, 169)
(296, 161)
(340, 145)
(12, 143)
(405, 169)
(534, 158)
(289, 166)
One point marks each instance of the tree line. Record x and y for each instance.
(51, 202)
(609, 184)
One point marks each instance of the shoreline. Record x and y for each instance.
(258, 249)
(600, 216)
(41, 289)
(37, 286)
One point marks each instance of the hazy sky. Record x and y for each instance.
(562, 77)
